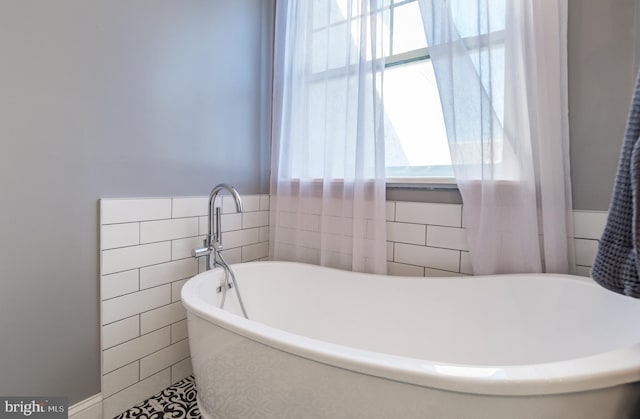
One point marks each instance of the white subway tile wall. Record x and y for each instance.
(145, 260)
(427, 239)
(587, 229)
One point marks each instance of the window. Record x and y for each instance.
(416, 147)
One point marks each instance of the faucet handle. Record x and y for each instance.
(200, 251)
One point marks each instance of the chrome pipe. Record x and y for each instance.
(228, 272)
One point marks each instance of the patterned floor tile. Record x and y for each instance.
(175, 402)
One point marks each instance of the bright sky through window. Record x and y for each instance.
(415, 137)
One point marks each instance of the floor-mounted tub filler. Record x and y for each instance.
(324, 343)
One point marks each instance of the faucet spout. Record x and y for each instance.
(214, 236)
(233, 191)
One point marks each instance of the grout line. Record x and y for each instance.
(142, 312)
(431, 247)
(150, 353)
(140, 334)
(139, 290)
(145, 266)
(427, 267)
(135, 221)
(124, 366)
(161, 349)
(124, 341)
(139, 381)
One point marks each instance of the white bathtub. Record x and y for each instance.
(323, 343)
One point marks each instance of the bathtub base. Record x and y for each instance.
(496, 347)
(238, 377)
(203, 413)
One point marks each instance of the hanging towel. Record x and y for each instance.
(617, 264)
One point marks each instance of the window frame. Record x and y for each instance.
(400, 59)
(418, 55)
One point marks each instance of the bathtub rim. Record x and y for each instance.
(607, 369)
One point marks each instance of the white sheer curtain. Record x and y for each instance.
(501, 71)
(327, 174)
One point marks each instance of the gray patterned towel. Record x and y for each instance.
(617, 264)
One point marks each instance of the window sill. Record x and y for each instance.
(429, 183)
(433, 190)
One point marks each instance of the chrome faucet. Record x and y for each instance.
(214, 236)
(213, 244)
(213, 241)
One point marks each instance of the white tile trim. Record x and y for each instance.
(76, 411)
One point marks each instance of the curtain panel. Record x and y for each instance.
(327, 172)
(501, 70)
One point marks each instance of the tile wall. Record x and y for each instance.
(426, 239)
(145, 259)
(588, 227)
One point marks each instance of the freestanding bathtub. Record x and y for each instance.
(324, 343)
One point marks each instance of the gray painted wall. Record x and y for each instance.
(110, 98)
(602, 68)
